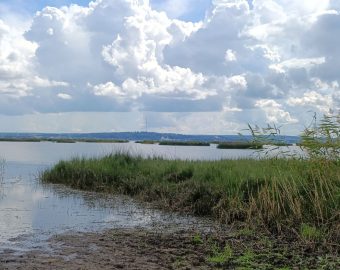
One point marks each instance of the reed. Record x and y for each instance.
(278, 194)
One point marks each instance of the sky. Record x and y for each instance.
(185, 66)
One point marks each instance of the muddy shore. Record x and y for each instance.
(114, 249)
(164, 249)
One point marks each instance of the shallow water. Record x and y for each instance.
(30, 212)
(47, 152)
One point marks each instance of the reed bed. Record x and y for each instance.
(282, 196)
(239, 145)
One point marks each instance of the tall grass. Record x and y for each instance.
(278, 194)
(322, 139)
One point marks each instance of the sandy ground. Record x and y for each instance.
(114, 249)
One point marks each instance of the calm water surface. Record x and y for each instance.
(30, 212)
(47, 152)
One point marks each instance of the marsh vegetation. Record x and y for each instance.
(280, 195)
(239, 145)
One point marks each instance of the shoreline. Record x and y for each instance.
(161, 249)
(289, 198)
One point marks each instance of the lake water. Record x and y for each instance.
(30, 212)
(47, 152)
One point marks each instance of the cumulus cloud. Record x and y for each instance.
(266, 61)
(274, 111)
(64, 96)
(17, 71)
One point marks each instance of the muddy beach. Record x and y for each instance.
(166, 248)
(114, 249)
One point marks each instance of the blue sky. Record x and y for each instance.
(195, 12)
(189, 66)
(33, 5)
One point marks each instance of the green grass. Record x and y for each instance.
(220, 257)
(310, 233)
(229, 250)
(180, 143)
(239, 145)
(197, 239)
(277, 194)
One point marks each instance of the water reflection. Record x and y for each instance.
(31, 212)
(47, 153)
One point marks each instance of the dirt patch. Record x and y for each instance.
(172, 249)
(114, 249)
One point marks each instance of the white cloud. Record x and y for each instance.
(64, 96)
(230, 56)
(108, 89)
(322, 103)
(17, 69)
(295, 63)
(269, 60)
(274, 111)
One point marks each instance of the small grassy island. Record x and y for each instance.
(147, 142)
(102, 141)
(239, 145)
(184, 143)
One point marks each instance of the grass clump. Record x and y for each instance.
(197, 239)
(220, 257)
(310, 233)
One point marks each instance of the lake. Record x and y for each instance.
(30, 212)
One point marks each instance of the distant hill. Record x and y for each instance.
(140, 136)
